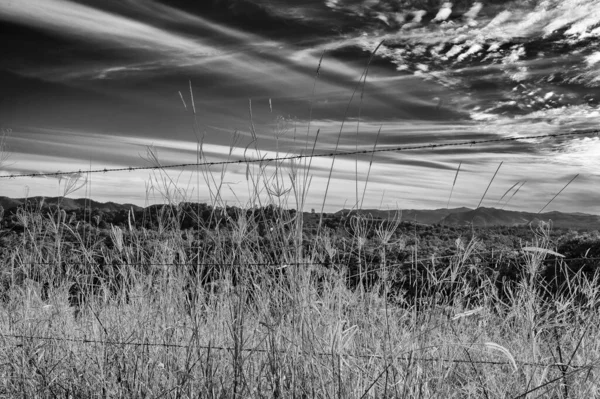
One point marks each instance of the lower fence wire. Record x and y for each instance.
(404, 356)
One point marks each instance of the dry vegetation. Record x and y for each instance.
(247, 308)
(243, 311)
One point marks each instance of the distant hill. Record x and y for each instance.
(68, 204)
(483, 217)
(410, 215)
(498, 217)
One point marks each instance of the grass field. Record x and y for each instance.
(251, 305)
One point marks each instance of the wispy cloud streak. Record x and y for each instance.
(91, 24)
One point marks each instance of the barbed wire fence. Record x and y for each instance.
(585, 132)
(402, 356)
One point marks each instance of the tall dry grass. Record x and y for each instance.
(243, 307)
(139, 315)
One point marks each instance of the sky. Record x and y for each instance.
(92, 84)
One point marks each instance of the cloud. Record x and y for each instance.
(582, 153)
(91, 24)
(228, 51)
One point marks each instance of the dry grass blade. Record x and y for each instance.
(182, 100)
(453, 184)
(562, 377)
(375, 380)
(467, 313)
(312, 97)
(515, 193)
(369, 171)
(191, 97)
(490, 183)
(507, 191)
(543, 251)
(505, 352)
(557, 194)
(4, 153)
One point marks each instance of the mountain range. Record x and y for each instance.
(487, 217)
(480, 217)
(68, 204)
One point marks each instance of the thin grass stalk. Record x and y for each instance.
(559, 378)
(557, 194)
(507, 191)
(453, 184)
(4, 151)
(362, 93)
(515, 193)
(306, 183)
(304, 189)
(563, 368)
(206, 172)
(199, 145)
(261, 166)
(488, 187)
(369, 171)
(340, 135)
(312, 98)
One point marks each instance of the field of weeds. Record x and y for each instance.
(249, 304)
(259, 301)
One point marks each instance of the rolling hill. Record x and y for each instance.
(68, 204)
(498, 217)
(481, 217)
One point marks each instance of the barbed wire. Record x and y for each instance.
(177, 264)
(282, 264)
(405, 356)
(303, 156)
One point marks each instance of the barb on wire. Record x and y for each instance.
(294, 157)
